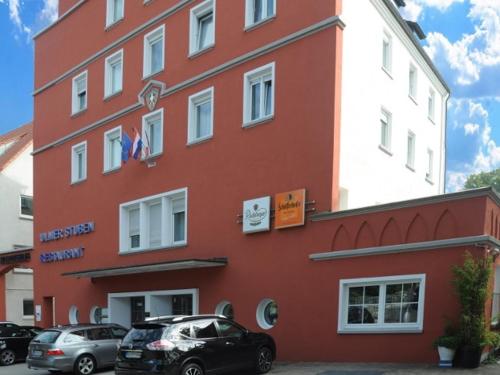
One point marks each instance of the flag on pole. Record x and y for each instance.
(146, 148)
(137, 145)
(126, 147)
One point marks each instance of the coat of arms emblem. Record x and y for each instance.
(152, 97)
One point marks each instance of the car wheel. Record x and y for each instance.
(85, 365)
(264, 360)
(192, 369)
(7, 357)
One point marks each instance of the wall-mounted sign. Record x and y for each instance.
(289, 209)
(58, 256)
(15, 258)
(38, 313)
(256, 214)
(72, 230)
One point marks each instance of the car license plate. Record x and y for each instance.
(36, 353)
(133, 355)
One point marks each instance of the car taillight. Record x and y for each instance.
(55, 352)
(160, 345)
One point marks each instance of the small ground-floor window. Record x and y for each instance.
(73, 315)
(267, 313)
(225, 308)
(382, 304)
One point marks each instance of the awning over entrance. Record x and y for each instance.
(152, 267)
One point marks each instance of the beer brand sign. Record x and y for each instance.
(289, 209)
(256, 215)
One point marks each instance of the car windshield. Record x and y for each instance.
(47, 337)
(144, 333)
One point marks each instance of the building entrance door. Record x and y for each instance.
(137, 309)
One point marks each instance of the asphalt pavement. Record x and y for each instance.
(320, 369)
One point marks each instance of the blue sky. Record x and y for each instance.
(463, 39)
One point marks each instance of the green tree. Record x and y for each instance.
(484, 179)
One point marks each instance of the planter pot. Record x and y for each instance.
(470, 357)
(445, 356)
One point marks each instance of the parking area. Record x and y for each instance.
(319, 369)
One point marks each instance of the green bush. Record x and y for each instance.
(450, 342)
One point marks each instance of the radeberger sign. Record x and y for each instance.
(289, 209)
(256, 215)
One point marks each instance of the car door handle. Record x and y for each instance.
(96, 345)
(229, 343)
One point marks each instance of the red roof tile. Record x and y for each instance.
(22, 137)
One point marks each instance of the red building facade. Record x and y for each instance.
(234, 102)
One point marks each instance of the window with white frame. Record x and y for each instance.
(113, 73)
(385, 129)
(154, 222)
(431, 104)
(412, 82)
(410, 153)
(257, 11)
(154, 51)
(79, 93)
(79, 162)
(152, 133)
(430, 165)
(26, 206)
(201, 116)
(202, 26)
(112, 149)
(382, 304)
(258, 94)
(387, 52)
(114, 11)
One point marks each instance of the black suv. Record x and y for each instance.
(14, 341)
(193, 345)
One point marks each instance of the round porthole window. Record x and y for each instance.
(73, 315)
(267, 313)
(96, 315)
(225, 308)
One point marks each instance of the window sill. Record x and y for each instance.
(140, 251)
(78, 182)
(429, 180)
(413, 99)
(26, 217)
(431, 120)
(114, 24)
(111, 171)
(79, 113)
(260, 121)
(410, 167)
(112, 95)
(26, 317)
(197, 53)
(379, 330)
(256, 25)
(151, 75)
(147, 2)
(384, 149)
(388, 72)
(194, 142)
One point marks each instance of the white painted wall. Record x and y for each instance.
(16, 180)
(18, 287)
(369, 175)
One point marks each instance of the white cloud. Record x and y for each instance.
(49, 12)
(15, 17)
(471, 129)
(487, 154)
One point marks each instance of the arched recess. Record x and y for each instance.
(365, 237)
(417, 230)
(391, 234)
(446, 226)
(341, 239)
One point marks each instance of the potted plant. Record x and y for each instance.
(446, 346)
(471, 281)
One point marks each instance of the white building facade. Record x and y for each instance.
(393, 114)
(16, 223)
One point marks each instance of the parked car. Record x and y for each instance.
(193, 345)
(79, 348)
(14, 341)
